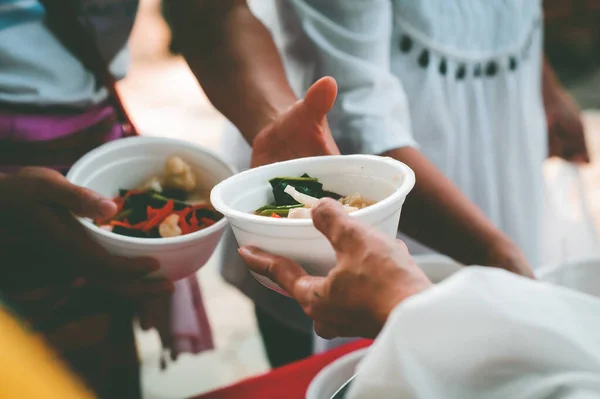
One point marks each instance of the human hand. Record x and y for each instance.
(43, 242)
(300, 132)
(157, 314)
(566, 136)
(373, 274)
(506, 255)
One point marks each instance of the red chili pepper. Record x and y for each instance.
(207, 221)
(140, 225)
(276, 216)
(194, 223)
(159, 216)
(184, 226)
(184, 212)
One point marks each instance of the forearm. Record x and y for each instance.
(550, 81)
(234, 58)
(437, 214)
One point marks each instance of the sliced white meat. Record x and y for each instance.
(170, 226)
(299, 213)
(306, 200)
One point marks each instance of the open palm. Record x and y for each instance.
(300, 132)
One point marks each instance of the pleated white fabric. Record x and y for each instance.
(486, 333)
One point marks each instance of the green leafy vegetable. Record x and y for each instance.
(283, 210)
(284, 202)
(305, 185)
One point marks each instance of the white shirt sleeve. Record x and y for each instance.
(352, 40)
(486, 333)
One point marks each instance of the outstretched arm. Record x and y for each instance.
(234, 58)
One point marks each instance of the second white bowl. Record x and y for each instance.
(335, 375)
(128, 162)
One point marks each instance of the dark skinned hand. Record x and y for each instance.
(373, 274)
(43, 242)
(300, 132)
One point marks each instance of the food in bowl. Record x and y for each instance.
(295, 196)
(170, 205)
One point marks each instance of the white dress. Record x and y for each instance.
(459, 79)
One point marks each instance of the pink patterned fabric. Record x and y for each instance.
(27, 128)
(190, 327)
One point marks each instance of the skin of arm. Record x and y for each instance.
(439, 215)
(234, 58)
(566, 132)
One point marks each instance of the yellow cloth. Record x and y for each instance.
(28, 369)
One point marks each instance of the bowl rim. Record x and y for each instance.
(129, 141)
(550, 270)
(326, 372)
(402, 191)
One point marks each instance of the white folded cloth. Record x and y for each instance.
(486, 333)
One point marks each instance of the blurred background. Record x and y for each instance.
(165, 100)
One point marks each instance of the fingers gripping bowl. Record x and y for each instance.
(128, 163)
(384, 180)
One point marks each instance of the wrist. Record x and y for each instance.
(505, 254)
(550, 91)
(266, 115)
(411, 281)
(550, 84)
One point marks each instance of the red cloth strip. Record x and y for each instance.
(289, 382)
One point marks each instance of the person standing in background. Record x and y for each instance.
(459, 91)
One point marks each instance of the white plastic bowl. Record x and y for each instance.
(331, 378)
(437, 267)
(126, 164)
(382, 179)
(582, 275)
